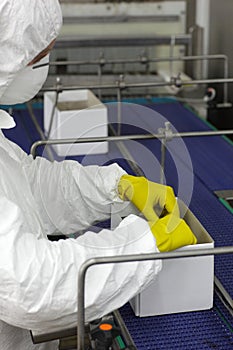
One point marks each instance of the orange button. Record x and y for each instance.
(105, 327)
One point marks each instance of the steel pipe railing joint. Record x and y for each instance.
(121, 84)
(102, 61)
(58, 87)
(176, 81)
(144, 59)
(166, 132)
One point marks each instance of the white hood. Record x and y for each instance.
(27, 27)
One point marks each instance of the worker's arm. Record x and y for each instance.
(70, 197)
(38, 288)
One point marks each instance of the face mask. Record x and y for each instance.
(27, 83)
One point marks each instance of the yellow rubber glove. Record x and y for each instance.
(171, 233)
(149, 197)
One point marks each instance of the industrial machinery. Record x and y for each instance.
(130, 42)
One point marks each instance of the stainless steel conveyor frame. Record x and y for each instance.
(129, 258)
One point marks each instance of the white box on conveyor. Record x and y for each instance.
(78, 114)
(184, 284)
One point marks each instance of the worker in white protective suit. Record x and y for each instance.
(38, 278)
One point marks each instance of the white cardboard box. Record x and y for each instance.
(184, 284)
(78, 114)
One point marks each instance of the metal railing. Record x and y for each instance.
(145, 60)
(129, 258)
(164, 135)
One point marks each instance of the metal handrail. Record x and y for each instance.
(70, 41)
(127, 137)
(129, 258)
(176, 81)
(143, 59)
(102, 61)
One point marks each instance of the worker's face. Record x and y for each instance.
(29, 80)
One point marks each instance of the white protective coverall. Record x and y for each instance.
(38, 278)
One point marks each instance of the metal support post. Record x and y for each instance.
(101, 64)
(59, 89)
(120, 86)
(167, 136)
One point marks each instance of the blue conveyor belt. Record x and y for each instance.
(212, 166)
(211, 156)
(201, 330)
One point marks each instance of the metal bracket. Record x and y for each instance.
(167, 134)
